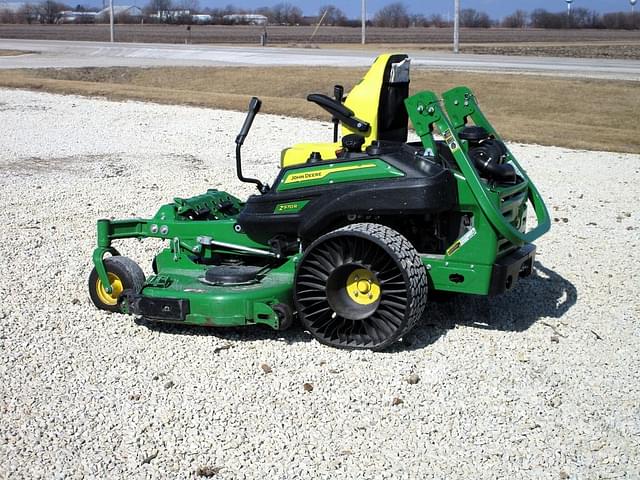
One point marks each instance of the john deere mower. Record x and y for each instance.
(353, 235)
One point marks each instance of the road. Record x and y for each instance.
(61, 54)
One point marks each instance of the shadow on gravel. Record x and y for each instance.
(545, 294)
(250, 333)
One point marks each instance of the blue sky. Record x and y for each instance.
(496, 8)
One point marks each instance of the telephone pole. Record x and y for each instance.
(456, 27)
(364, 22)
(569, 2)
(111, 19)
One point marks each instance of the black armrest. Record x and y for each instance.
(339, 111)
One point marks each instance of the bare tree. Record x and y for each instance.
(438, 20)
(540, 18)
(517, 19)
(158, 6)
(334, 16)
(192, 6)
(584, 18)
(394, 15)
(470, 17)
(8, 16)
(418, 20)
(49, 11)
(28, 13)
(621, 20)
(286, 14)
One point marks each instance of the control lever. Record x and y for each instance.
(339, 111)
(338, 93)
(254, 108)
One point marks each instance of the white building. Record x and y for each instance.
(125, 11)
(68, 16)
(246, 19)
(201, 19)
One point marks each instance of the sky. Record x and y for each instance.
(495, 8)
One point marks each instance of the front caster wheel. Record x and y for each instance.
(124, 274)
(285, 315)
(362, 286)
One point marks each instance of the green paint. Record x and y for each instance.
(499, 213)
(222, 306)
(290, 207)
(188, 225)
(314, 175)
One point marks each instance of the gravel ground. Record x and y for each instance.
(542, 382)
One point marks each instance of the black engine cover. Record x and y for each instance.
(427, 187)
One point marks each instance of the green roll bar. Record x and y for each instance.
(425, 112)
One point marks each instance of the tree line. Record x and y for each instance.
(393, 15)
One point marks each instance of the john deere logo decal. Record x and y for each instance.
(317, 174)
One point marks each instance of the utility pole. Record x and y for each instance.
(456, 27)
(569, 2)
(364, 22)
(633, 5)
(111, 19)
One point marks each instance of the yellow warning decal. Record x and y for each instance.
(318, 174)
(450, 140)
(461, 241)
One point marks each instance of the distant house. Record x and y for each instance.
(121, 13)
(173, 16)
(244, 19)
(68, 16)
(201, 19)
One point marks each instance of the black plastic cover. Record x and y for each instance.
(509, 269)
(473, 133)
(353, 142)
(426, 188)
(393, 119)
(167, 309)
(231, 274)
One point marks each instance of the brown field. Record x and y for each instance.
(584, 43)
(11, 53)
(575, 113)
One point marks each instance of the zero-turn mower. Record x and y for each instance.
(353, 235)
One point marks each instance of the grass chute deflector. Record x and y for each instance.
(353, 235)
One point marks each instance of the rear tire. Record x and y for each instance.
(124, 274)
(360, 287)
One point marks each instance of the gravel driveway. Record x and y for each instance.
(542, 382)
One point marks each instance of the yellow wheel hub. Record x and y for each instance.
(116, 289)
(362, 287)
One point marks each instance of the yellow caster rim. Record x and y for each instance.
(362, 287)
(116, 289)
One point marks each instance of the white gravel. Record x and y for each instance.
(542, 382)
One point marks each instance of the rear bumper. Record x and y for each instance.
(508, 270)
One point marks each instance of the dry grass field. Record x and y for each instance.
(625, 49)
(11, 53)
(575, 113)
(574, 43)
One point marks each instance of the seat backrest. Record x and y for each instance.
(379, 99)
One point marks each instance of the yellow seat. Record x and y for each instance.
(377, 99)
